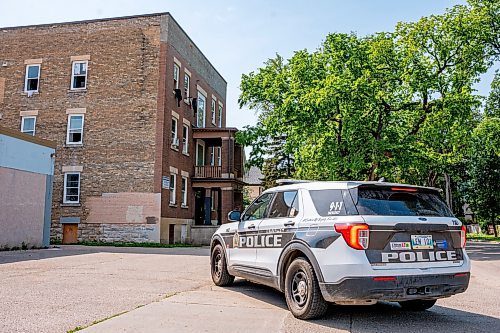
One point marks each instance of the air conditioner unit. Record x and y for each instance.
(175, 142)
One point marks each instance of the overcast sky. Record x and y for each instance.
(238, 36)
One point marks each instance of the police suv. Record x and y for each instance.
(349, 243)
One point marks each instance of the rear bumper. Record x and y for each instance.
(402, 288)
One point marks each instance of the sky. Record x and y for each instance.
(239, 36)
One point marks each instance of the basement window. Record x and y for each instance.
(28, 125)
(71, 188)
(79, 75)
(32, 78)
(75, 129)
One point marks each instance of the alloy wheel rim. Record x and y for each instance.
(299, 288)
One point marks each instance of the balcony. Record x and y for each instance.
(208, 171)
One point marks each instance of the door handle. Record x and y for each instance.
(289, 223)
(251, 226)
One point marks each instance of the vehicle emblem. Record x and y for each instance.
(422, 219)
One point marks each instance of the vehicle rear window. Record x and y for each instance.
(400, 202)
(332, 202)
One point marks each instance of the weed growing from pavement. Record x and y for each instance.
(80, 328)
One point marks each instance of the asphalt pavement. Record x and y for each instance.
(169, 290)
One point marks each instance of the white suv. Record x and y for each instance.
(347, 243)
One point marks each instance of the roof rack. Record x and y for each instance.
(292, 181)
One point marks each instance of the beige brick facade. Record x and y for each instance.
(127, 107)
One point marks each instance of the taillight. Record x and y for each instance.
(463, 237)
(355, 235)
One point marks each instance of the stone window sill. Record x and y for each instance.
(77, 90)
(173, 205)
(71, 205)
(184, 153)
(176, 148)
(184, 206)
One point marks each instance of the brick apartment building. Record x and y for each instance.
(138, 114)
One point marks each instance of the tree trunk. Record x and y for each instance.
(447, 190)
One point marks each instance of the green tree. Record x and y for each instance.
(492, 108)
(483, 186)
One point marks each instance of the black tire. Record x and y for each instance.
(302, 293)
(218, 266)
(418, 304)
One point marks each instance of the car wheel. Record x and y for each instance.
(220, 275)
(302, 293)
(418, 304)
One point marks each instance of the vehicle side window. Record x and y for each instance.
(257, 210)
(328, 202)
(285, 204)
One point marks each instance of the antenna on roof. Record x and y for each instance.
(292, 181)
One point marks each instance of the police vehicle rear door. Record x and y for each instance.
(277, 229)
(409, 227)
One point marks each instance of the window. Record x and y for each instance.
(257, 210)
(71, 187)
(28, 125)
(32, 78)
(200, 154)
(75, 129)
(185, 134)
(212, 156)
(79, 75)
(213, 110)
(175, 139)
(184, 191)
(219, 156)
(213, 195)
(220, 115)
(285, 204)
(176, 76)
(187, 80)
(173, 178)
(200, 117)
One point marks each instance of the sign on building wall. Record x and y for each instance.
(165, 182)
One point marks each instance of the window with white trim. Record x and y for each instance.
(176, 76)
(71, 187)
(175, 139)
(220, 115)
(75, 129)
(185, 136)
(219, 156)
(187, 80)
(28, 125)
(214, 103)
(32, 78)
(79, 75)
(212, 156)
(184, 191)
(173, 178)
(200, 116)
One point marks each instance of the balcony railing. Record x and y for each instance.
(208, 171)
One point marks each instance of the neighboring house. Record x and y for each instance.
(138, 114)
(26, 172)
(253, 178)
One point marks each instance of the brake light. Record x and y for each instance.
(384, 278)
(404, 189)
(355, 235)
(463, 236)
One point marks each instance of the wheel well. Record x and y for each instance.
(290, 257)
(215, 242)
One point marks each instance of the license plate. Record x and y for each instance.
(421, 242)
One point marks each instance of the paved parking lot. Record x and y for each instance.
(169, 290)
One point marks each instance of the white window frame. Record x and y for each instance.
(34, 124)
(212, 156)
(174, 133)
(68, 129)
(214, 110)
(37, 78)
(219, 156)
(176, 72)
(204, 110)
(220, 115)
(186, 88)
(202, 144)
(173, 188)
(73, 73)
(184, 189)
(66, 188)
(185, 140)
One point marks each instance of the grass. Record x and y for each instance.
(127, 244)
(80, 328)
(483, 237)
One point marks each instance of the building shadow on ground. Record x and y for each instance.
(381, 317)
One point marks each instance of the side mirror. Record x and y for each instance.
(234, 216)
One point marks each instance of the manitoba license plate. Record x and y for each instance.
(420, 242)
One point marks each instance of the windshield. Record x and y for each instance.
(405, 201)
